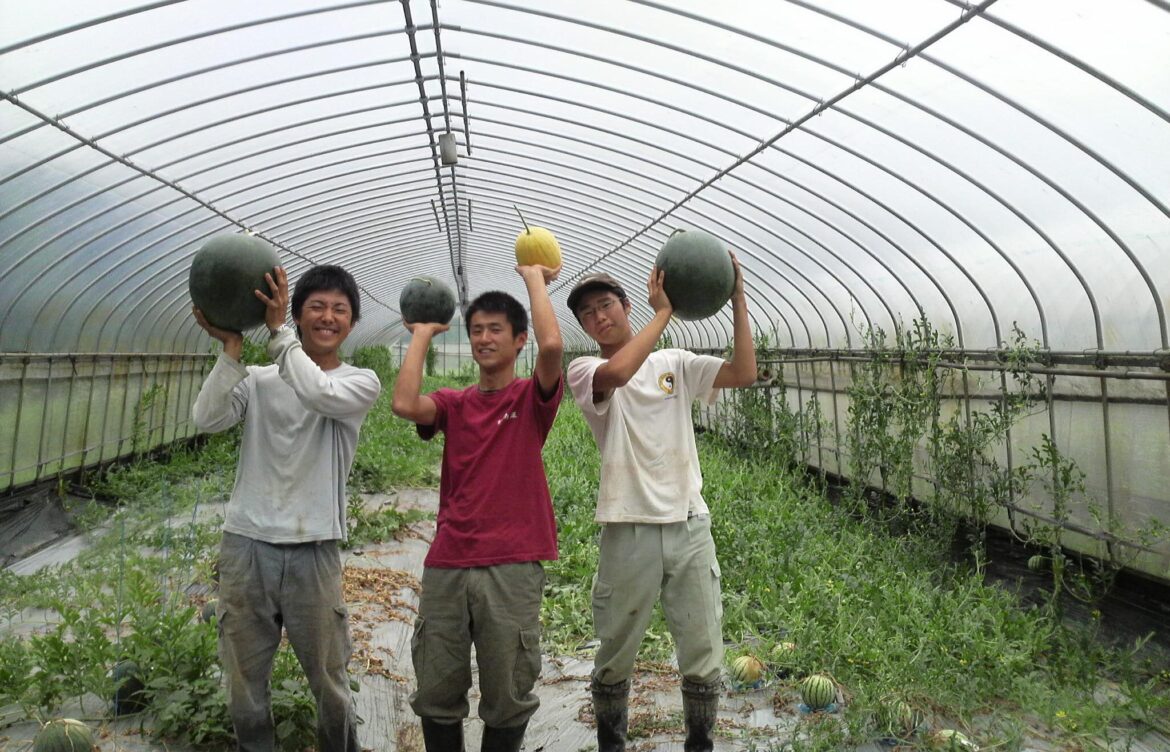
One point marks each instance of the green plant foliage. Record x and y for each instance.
(390, 452)
(377, 358)
(255, 351)
(893, 402)
(378, 526)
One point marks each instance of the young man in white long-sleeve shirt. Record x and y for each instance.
(279, 564)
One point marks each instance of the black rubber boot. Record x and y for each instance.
(611, 708)
(700, 708)
(507, 739)
(442, 737)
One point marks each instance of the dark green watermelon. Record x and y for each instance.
(426, 300)
(129, 696)
(225, 275)
(699, 275)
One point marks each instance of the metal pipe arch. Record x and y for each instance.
(795, 287)
(192, 38)
(962, 76)
(831, 66)
(938, 286)
(763, 189)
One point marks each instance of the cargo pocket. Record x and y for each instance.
(527, 668)
(224, 616)
(602, 596)
(417, 656)
(342, 613)
(717, 591)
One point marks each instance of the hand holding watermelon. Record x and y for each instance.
(226, 336)
(276, 306)
(418, 327)
(737, 291)
(232, 341)
(656, 291)
(548, 274)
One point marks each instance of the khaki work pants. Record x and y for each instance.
(638, 563)
(495, 608)
(262, 588)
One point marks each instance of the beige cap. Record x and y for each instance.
(591, 282)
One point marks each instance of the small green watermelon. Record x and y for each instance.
(901, 719)
(1038, 563)
(426, 300)
(951, 741)
(818, 691)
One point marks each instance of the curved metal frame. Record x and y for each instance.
(435, 28)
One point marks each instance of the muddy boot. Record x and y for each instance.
(442, 737)
(611, 708)
(700, 707)
(503, 739)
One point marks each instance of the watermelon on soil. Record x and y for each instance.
(818, 691)
(951, 741)
(129, 688)
(747, 669)
(64, 735)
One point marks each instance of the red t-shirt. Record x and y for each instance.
(494, 504)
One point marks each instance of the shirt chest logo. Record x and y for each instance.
(666, 383)
(507, 416)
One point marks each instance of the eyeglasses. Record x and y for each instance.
(602, 307)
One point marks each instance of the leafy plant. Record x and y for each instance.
(377, 526)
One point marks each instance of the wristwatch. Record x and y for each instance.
(273, 333)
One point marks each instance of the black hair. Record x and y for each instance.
(327, 277)
(495, 301)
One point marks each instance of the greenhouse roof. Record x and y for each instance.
(983, 165)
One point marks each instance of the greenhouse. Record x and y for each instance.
(944, 487)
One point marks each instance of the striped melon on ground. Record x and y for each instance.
(817, 691)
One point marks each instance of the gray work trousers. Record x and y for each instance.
(638, 563)
(262, 589)
(495, 608)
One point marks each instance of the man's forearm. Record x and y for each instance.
(408, 384)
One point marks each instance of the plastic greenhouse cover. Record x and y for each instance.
(980, 164)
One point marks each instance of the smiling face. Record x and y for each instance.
(493, 345)
(604, 317)
(325, 321)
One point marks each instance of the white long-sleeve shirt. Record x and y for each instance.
(300, 436)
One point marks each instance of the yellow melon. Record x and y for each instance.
(537, 245)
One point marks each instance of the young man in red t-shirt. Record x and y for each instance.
(483, 578)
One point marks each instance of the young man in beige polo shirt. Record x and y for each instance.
(656, 535)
